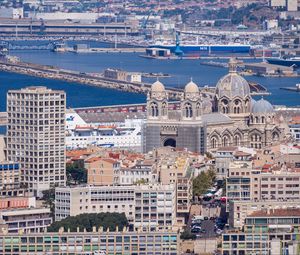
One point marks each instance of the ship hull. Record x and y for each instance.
(284, 62)
(207, 49)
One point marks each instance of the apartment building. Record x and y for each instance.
(102, 171)
(30, 220)
(266, 232)
(36, 135)
(91, 243)
(223, 156)
(174, 167)
(151, 205)
(276, 183)
(10, 174)
(140, 172)
(239, 210)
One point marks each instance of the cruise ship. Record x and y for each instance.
(120, 135)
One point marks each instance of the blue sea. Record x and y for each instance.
(181, 72)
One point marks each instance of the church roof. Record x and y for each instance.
(191, 87)
(215, 117)
(232, 85)
(157, 87)
(262, 106)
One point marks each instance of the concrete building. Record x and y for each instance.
(29, 219)
(96, 242)
(36, 136)
(10, 174)
(269, 69)
(278, 3)
(11, 13)
(266, 232)
(26, 27)
(292, 5)
(15, 202)
(246, 183)
(239, 210)
(140, 172)
(144, 205)
(294, 126)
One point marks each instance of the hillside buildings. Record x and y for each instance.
(36, 136)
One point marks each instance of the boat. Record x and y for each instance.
(206, 49)
(80, 134)
(295, 61)
(59, 47)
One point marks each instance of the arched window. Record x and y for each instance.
(198, 109)
(237, 106)
(154, 109)
(188, 111)
(164, 109)
(256, 141)
(256, 120)
(225, 141)
(262, 119)
(214, 143)
(237, 140)
(224, 106)
(275, 136)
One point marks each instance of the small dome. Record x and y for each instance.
(232, 85)
(262, 106)
(191, 87)
(157, 87)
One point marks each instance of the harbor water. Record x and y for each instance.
(181, 72)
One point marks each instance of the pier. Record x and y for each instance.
(51, 72)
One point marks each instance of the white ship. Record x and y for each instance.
(120, 135)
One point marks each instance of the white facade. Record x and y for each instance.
(28, 219)
(11, 13)
(36, 135)
(144, 205)
(292, 5)
(120, 135)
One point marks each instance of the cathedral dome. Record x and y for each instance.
(191, 87)
(262, 106)
(232, 85)
(157, 87)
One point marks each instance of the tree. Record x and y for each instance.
(88, 221)
(76, 173)
(203, 182)
(187, 235)
(49, 200)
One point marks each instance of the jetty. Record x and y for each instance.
(52, 72)
(294, 89)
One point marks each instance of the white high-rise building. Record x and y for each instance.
(36, 136)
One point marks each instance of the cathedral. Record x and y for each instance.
(229, 117)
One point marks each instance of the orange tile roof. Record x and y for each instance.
(93, 159)
(110, 160)
(277, 212)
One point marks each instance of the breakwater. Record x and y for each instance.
(52, 72)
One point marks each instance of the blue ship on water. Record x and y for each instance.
(200, 49)
(206, 49)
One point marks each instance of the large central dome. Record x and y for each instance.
(232, 85)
